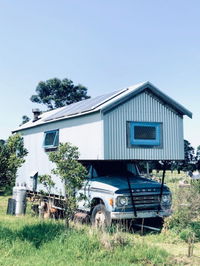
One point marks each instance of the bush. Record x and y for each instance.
(185, 219)
(185, 234)
(12, 153)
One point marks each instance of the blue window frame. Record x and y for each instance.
(51, 139)
(145, 134)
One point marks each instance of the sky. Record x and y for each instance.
(103, 45)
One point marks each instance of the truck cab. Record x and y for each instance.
(115, 190)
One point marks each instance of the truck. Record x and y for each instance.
(115, 190)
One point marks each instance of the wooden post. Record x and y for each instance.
(142, 227)
(191, 245)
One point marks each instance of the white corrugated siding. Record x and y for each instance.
(143, 108)
(85, 132)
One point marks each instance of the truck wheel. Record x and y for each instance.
(100, 217)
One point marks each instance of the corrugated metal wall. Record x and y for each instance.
(143, 108)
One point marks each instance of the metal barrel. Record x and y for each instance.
(19, 195)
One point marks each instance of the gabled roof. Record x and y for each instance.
(104, 103)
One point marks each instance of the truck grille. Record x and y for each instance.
(145, 202)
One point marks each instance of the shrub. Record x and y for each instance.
(12, 153)
(186, 208)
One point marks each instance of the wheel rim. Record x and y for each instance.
(100, 219)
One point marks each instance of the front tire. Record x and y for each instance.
(100, 217)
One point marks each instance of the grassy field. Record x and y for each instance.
(31, 241)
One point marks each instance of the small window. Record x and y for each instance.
(51, 139)
(144, 134)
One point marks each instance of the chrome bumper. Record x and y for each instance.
(140, 214)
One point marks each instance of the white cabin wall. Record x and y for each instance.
(85, 132)
(143, 108)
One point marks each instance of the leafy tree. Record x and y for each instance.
(12, 153)
(2, 142)
(56, 93)
(188, 164)
(198, 158)
(25, 119)
(189, 151)
(71, 172)
(47, 182)
(189, 158)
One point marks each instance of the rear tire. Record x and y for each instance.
(100, 217)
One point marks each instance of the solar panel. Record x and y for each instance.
(82, 106)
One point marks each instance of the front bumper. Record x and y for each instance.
(140, 214)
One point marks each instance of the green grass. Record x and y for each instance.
(30, 241)
(27, 241)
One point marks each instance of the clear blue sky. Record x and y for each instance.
(104, 45)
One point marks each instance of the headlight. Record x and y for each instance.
(166, 199)
(122, 201)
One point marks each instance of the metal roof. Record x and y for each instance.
(104, 103)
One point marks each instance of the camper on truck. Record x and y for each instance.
(112, 132)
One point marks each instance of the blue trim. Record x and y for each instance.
(145, 142)
(55, 141)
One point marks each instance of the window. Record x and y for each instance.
(51, 139)
(144, 134)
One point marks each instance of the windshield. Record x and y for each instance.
(114, 168)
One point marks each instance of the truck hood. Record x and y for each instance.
(118, 183)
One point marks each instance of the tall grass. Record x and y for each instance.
(31, 241)
(49, 243)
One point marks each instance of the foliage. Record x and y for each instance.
(188, 164)
(198, 158)
(186, 209)
(56, 93)
(71, 172)
(47, 182)
(12, 153)
(25, 119)
(196, 185)
(188, 151)
(27, 240)
(30, 241)
(185, 234)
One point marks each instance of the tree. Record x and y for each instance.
(188, 151)
(189, 158)
(12, 153)
(47, 182)
(56, 93)
(188, 164)
(198, 158)
(25, 119)
(71, 172)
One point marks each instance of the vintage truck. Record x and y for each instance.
(115, 190)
